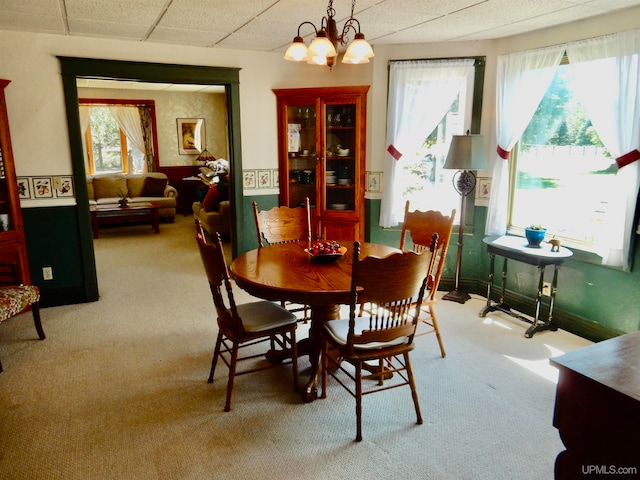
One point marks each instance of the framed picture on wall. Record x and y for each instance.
(24, 189)
(191, 135)
(249, 178)
(42, 188)
(264, 178)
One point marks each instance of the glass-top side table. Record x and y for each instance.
(515, 248)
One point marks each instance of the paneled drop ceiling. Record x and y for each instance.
(270, 25)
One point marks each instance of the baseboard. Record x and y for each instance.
(570, 322)
(64, 296)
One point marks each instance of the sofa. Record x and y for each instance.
(139, 187)
(217, 220)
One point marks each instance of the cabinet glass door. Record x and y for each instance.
(301, 151)
(340, 164)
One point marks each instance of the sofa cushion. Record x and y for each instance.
(90, 192)
(109, 186)
(212, 199)
(154, 187)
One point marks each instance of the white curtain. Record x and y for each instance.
(128, 119)
(85, 117)
(420, 94)
(523, 79)
(608, 84)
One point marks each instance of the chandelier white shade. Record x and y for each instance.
(323, 49)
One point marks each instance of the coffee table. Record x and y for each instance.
(132, 213)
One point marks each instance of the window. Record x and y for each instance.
(604, 75)
(119, 136)
(563, 177)
(429, 102)
(106, 143)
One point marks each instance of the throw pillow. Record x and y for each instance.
(212, 199)
(109, 186)
(154, 187)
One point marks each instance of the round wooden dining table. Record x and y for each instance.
(287, 272)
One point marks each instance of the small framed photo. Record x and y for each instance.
(483, 188)
(264, 178)
(249, 179)
(191, 135)
(24, 189)
(373, 182)
(42, 187)
(65, 188)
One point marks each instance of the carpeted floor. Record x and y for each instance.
(118, 390)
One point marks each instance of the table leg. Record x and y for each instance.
(493, 306)
(94, 224)
(537, 325)
(311, 346)
(320, 314)
(552, 297)
(155, 219)
(488, 308)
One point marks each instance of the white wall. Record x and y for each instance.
(35, 98)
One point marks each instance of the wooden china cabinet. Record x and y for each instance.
(12, 240)
(321, 148)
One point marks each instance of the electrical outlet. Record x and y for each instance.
(47, 273)
(56, 182)
(546, 289)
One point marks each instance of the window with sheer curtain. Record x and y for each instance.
(115, 137)
(429, 102)
(576, 126)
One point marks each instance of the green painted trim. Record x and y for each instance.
(73, 67)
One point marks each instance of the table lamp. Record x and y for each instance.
(466, 153)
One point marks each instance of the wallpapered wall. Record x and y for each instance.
(173, 105)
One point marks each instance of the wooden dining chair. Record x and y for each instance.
(244, 325)
(282, 225)
(419, 227)
(384, 333)
(15, 297)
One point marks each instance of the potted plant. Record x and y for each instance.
(535, 234)
(124, 199)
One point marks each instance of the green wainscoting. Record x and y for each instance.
(53, 240)
(593, 301)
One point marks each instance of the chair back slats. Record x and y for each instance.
(419, 227)
(394, 286)
(283, 224)
(215, 266)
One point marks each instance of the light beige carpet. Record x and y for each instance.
(118, 390)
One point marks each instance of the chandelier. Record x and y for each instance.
(323, 50)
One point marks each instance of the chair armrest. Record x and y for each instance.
(170, 191)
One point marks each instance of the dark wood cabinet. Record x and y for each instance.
(12, 240)
(321, 148)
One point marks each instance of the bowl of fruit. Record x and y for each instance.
(326, 250)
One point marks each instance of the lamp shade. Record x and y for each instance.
(359, 51)
(297, 51)
(466, 153)
(321, 46)
(205, 156)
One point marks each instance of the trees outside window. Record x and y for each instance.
(563, 176)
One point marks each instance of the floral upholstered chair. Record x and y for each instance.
(15, 298)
